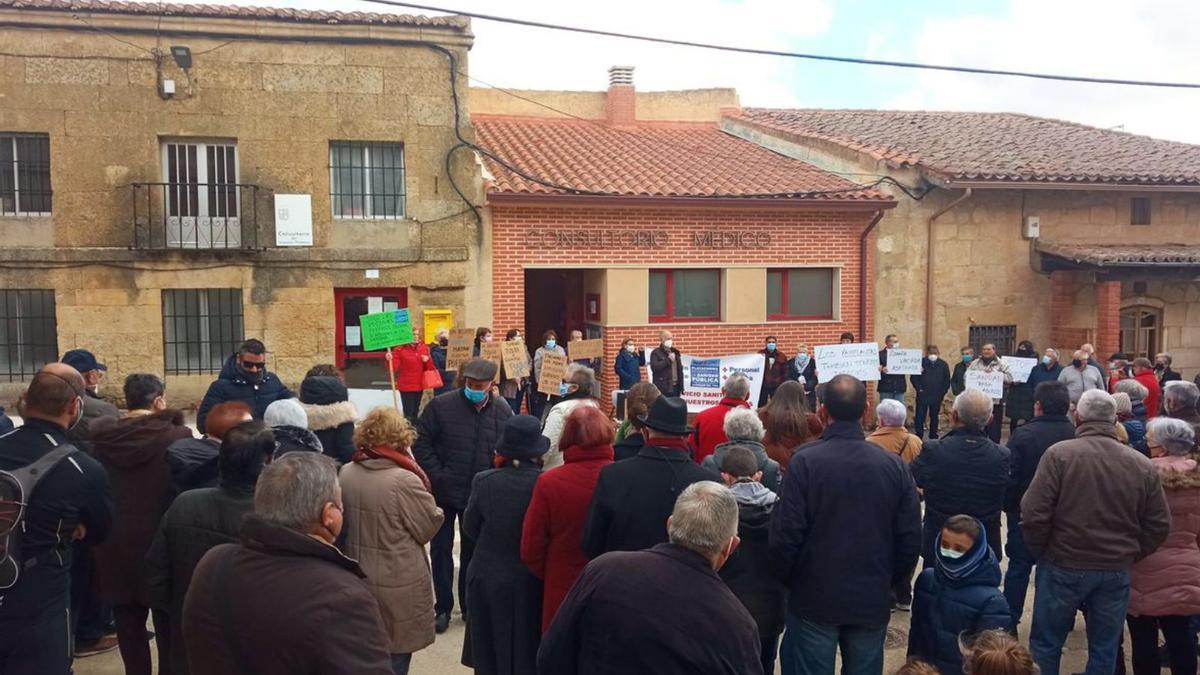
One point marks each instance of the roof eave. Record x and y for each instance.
(1064, 185)
(536, 199)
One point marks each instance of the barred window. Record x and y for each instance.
(366, 180)
(1003, 337)
(24, 174)
(28, 333)
(201, 327)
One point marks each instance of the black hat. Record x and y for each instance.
(669, 415)
(82, 360)
(479, 369)
(522, 438)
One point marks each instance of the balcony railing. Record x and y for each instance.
(199, 216)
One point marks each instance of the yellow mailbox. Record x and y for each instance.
(437, 318)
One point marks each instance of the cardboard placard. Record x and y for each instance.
(1019, 367)
(554, 369)
(904, 361)
(386, 329)
(516, 359)
(585, 349)
(991, 383)
(460, 347)
(492, 351)
(860, 360)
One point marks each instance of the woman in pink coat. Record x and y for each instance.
(1165, 586)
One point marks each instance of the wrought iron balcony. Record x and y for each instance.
(199, 216)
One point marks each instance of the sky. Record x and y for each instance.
(1147, 40)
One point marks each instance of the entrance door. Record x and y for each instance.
(363, 370)
(553, 301)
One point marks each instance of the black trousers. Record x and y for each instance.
(42, 646)
(411, 402)
(91, 616)
(134, 642)
(1143, 640)
(441, 559)
(927, 408)
(997, 423)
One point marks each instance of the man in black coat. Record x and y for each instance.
(666, 366)
(456, 434)
(244, 377)
(847, 528)
(663, 610)
(633, 497)
(1028, 443)
(890, 386)
(931, 387)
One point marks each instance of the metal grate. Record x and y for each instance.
(201, 327)
(1004, 337)
(28, 333)
(24, 175)
(366, 180)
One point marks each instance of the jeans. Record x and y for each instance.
(401, 663)
(133, 640)
(814, 648)
(927, 408)
(411, 402)
(1060, 593)
(997, 423)
(441, 558)
(1020, 565)
(1143, 640)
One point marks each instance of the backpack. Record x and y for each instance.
(16, 489)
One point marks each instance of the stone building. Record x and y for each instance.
(175, 178)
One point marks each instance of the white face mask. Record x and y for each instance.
(951, 553)
(668, 343)
(630, 348)
(933, 358)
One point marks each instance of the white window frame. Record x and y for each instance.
(202, 230)
(11, 138)
(368, 196)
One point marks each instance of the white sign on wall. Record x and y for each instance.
(860, 360)
(293, 220)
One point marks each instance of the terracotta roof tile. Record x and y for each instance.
(992, 146)
(1117, 255)
(651, 159)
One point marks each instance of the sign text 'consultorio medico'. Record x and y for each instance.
(620, 239)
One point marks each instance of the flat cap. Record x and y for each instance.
(479, 369)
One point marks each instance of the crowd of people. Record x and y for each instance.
(296, 535)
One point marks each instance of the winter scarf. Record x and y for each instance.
(402, 460)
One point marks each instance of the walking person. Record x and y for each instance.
(775, 369)
(989, 362)
(931, 387)
(666, 365)
(410, 362)
(245, 378)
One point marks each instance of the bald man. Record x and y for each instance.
(72, 501)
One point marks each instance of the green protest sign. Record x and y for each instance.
(386, 329)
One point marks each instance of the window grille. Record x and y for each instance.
(201, 327)
(24, 175)
(28, 333)
(1003, 337)
(366, 180)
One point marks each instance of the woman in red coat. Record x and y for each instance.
(409, 363)
(550, 540)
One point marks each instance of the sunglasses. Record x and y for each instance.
(251, 365)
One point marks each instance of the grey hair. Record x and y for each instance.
(441, 333)
(1181, 394)
(1177, 437)
(743, 424)
(1136, 390)
(286, 412)
(582, 377)
(974, 408)
(1165, 357)
(1052, 351)
(1123, 403)
(705, 518)
(891, 413)
(737, 386)
(293, 489)
(1096, 405)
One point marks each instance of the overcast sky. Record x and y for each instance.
(1149, 40)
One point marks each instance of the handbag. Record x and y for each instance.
(431, 379)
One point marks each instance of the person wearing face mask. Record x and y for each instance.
(1018, 400)
(482, 334)
(989, 362)
(890, 386)
(594, 363)
(931, 387)
(775, 369)
(537, 400)
(94, 407)
(644, 593)
(1047, 369)
(958, 379)
(245, 378)
(628, 365)
(666, 366)
(437, 352)
(72, 502)
(1080, 377)
(1164, 372)
(803, 369)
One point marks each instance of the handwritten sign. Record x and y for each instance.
(586, 349)
(386, 329)
(1019, 366)
(554, 369)
(904, 361)
(492, 351)
(516, 359)
(991, 383)
(860, 360)
(460, 347)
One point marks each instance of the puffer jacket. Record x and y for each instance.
(232, 385)
(771, 477)
(290, 439)
(1167, 582)
(455, 441)
(962, 472)
(556, 420)
(194, 463)
(331, 415)
(1135, 429)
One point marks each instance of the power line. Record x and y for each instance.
(794, 55)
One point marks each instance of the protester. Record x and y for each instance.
(891, 434)
(1090, 358)
(1143, 373)
(505, 624)
(593, 363)
(847, 527)
(199, 520)
(456, 434)
(804, 370)
(990, 362)
(409, 363)
(1084, 552)
(743, 428)
(1081, 376)
(551, 536)
(628, 365)
(958, 382)
(289, 423)
(633, 497)
(285, 600)
(890, 386)
(195, 462)
(666, 366)
(390, 517)
(788, 423)
(931, 387)
(1163, 371)
(537, 400)
(582, 390)
(94, 407)
(72, 502)
(750, 571)
(438, 351)
(1028, 443)
(624, 613)
(482, 334)
(511, 388)
(1047, 370)
(775, 369)
(637, 403)
(1180, 400)
(995, 652)
(1118, 369)
(245, 378)
(1018, 400)
(330, 414)
(710, 424)
(958, 597)
(1130, 430)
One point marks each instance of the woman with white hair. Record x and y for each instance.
(743, 427)
(891, 434)
(289, 422)
(1165, 586)
(1130, 430)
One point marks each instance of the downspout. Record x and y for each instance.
(862, 275)
(929, 269)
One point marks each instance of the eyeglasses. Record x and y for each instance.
(252, 365)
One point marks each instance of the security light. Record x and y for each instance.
(182, 55)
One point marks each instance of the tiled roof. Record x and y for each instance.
(991, 146)
(654, 159)
(1121, 255)
(236, 12)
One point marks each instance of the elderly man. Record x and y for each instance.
(245, 378)
(94, 407)
(666, 366)
(194, 461)
(1090, 350)
(1163, 371)
(958, 382)
(582, 390)
(285, 600)
(622, 615)
(1080, 377)
(1094, 508)
(744, 427)
(931, 386)
(1179, 400)
(989, 362)
(890, 386)
(710, 424)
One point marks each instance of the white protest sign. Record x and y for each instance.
(991, 383)
(904, 361)
(704, 377)
(860, 360)
(366, 400)
(1020, 367)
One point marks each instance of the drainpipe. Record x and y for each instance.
(929, 269)
(862, 275)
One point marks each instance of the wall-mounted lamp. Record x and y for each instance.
(182, 55)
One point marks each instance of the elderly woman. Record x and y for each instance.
(1137, 395)
(537, 400)
(744, 428)
(631, 436)
(1165, 586)
(289, 422)
(582, 390)
(1130, 430)
(891, 434)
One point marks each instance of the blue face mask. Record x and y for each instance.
(770, 346)
(550, 344)
(802, 360)
(966, 358)
(950, 553)
(1046, 360)
(473, 395)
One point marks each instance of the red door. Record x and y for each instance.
(363, 370)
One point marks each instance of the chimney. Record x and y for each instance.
(621, 103)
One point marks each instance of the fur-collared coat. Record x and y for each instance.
(331, 415)
(1167, 582)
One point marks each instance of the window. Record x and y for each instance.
(1003, 337)
(28, 333)
(366, 180)
(362, 370)
(685, 295)
(1140, 332)
(24, 175)
(201, 194)
(201, 327)
(800, 293)
(1139, 211)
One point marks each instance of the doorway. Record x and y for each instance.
(554, 300)
(362, 369)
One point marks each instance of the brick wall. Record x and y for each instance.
(1108, 317)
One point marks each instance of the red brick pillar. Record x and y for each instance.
(1108, 318)
(1061, 298)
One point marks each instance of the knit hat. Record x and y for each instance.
(287, 411)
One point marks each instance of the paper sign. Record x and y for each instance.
(585, 349)
(366, 400)
(353, 336)
(904, 361)
(386, 329)
(554, 369)
(991, 383)
(1019, 366)
(391, 306)
(492, 351)
(860, 360)
(516, 359)
(704, 377)
(293, 220)
(374, 304)
(646, 351)
(460, 348)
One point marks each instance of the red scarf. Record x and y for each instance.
(402, 460)
(675, 442)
